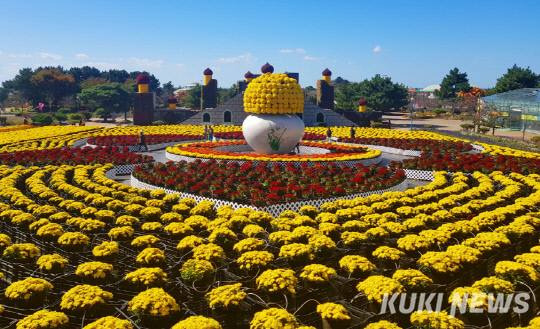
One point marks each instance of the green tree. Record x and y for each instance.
(453, 83)
(4, 93)
(54, 85)
(84, 73)
(515, 78)
(111, 97)
(22, 84)
(193, 97)
(380, 93)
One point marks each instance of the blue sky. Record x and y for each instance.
(414, 42)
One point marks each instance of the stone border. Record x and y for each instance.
(274, 210)
(366, 162)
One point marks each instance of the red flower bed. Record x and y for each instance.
(128, 140)
(239, 135)
(453, 161)
(73, 156)
(412, 144)
(260, 185)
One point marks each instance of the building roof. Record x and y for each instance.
(431, 88)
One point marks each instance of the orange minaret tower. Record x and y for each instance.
(362, 105)
(325, 90)
(143, 83)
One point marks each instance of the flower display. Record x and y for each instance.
(150, 139)
(257, 184)
(94, 270)
(27, 289)
(317, 273)
(278, 280)
(106, 249)
(274, 93)
(51, 262)
(196, 269)
(273, 318)
(474, 224)
(43, 319)
(435, 320)
(376, 286)
(333, 311)
(153, 302)
(108, 322)
(147, 276)
(226, 296)
(151, 256)
(214, 150)
(197, 321)
(84, 297)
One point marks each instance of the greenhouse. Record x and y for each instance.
(518, 108)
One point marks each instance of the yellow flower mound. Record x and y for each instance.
(43, 319)
(197, 322)
(83, 297)
(376, 286)
(153, 302)
(333, 311)
(51, 262)
(254, 259)
(317, 273)
(383, 324)
(26, 289)
(148, 276)
(278, 280)
(225, 296)
(109, 322)
(273, 94)
(435, 320)
(275, 318)
(94, 270)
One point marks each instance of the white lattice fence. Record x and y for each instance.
(419, 174)
(274, 210)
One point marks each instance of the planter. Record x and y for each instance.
(273, 134)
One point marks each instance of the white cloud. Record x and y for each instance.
(292, 50)
(82, 56)
(180, 65)
(311, 58)
(19, 56)
(54, 57)
(377, 49)
(244, 58)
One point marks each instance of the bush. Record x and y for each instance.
(483, 130)
(60, 116)
(102, 113)
(159, 122)
(64, 110)
(42, 119)
(87, 115)
(75, 117)
(3, 121)
(536, 140)
(439, 111)
(467, 126)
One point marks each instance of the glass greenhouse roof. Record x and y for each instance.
(526, 99)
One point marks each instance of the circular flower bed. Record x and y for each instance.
(240, 135)
(73, 156)
(412, 143)
(259, 184)
(211, 150)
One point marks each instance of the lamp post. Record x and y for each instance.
(411, 108)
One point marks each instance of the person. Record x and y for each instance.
(210, 133)
(142, 141)
(328, 134)
(205, 132)
(297, 147)
(353, 133)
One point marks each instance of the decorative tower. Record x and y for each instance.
(171, 102)
(209, 90)
(242, 85)
(143, 104)
(325, 91)
(362, 105)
